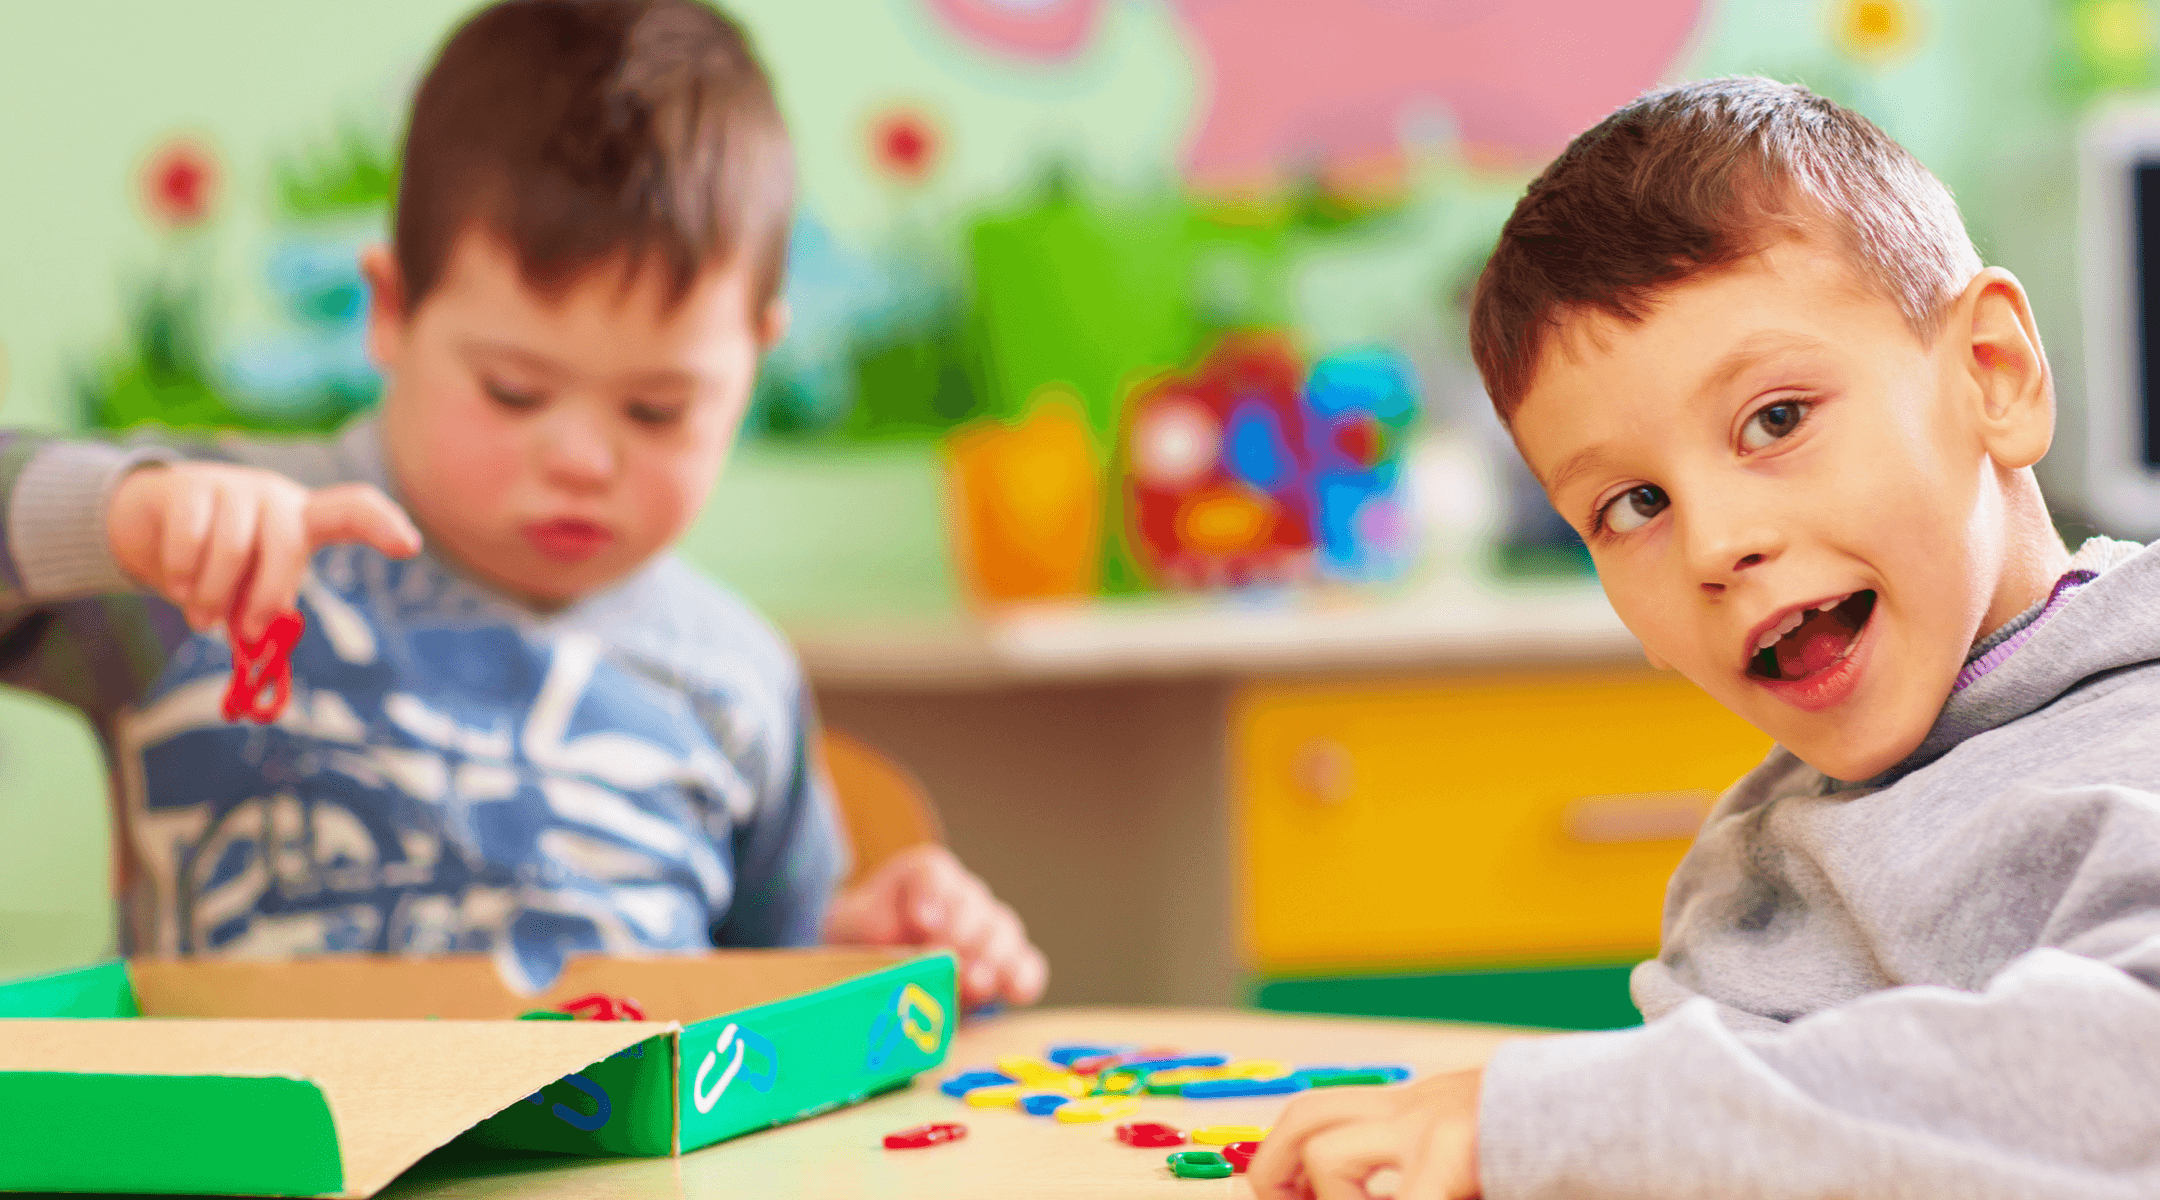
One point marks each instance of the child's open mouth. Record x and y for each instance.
(1812, 640)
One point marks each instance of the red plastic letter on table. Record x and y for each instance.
(599, 1006)
(925, 1135)
(262, 671)
(1240, 1155)
(1150, 1134)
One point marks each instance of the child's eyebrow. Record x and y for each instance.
(1578, 464)
(1751, 350)
(670, 377)
(540, 363)
(663, 379)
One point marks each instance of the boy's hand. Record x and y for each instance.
(922, 896)
(232, 542)
(1326, 1145)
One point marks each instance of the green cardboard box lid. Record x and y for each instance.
(332, 1076)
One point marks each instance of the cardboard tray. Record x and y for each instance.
(226, 1077)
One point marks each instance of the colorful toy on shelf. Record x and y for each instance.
(1359, 406)
(1027, 503)
(1217, 480)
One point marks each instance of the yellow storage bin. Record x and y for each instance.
(1490, 818)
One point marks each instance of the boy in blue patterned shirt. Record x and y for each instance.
(534, 732)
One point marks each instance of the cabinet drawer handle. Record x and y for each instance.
(1636, 817)
(1324, 771)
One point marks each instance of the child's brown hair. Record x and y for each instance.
(1697, 177)
(588, 131)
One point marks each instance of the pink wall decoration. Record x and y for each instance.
(1037, 29)
(1327, 83)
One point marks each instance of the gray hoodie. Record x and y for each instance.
(1939, 983)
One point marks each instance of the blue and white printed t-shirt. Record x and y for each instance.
(452, 773)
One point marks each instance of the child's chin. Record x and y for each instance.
(1856, 745)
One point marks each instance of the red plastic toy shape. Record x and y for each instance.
(602, 1007)
(262, 671)
(924, 1136)
(1240, 1155)
(1150, 1135)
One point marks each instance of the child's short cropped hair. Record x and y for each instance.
(586, 131)
(1697, 177)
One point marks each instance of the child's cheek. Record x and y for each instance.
(475, 450)
(668, 488)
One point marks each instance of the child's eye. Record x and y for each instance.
(509, 397)
(1771, 422)
(655, 415)
(1633, 508)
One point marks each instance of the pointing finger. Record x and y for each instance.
(356, 512)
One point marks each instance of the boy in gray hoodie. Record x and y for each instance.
(1742, 338)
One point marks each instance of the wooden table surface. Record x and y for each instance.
(1006, 1152)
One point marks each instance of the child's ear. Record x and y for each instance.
(387, 317)
(2008, 368)
(773, 324)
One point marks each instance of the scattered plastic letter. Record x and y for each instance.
(598, 1006)
(1223, 1089)
(925, 1135)
(1150, 1135)
(262, 670)
(1200, 1164)
(967, 1081)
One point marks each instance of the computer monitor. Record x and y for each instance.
(2119, 250)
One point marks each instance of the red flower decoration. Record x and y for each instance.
(179, 182)
(905, 145)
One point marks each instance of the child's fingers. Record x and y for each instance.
(231, 552)
(1442, 1163)
(974, 920)
(1340, 1160)
(1026, 976)
(281, 558)
(356, 512)
(1276, 1169)
(932, 896)
(860, 918)
(189, 505)
(988, 960)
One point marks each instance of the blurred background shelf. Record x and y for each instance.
(1452, 625)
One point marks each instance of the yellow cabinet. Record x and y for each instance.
(1504, 817)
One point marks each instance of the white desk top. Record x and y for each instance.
(1459, 623)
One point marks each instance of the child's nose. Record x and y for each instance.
(1722, 545)
(575, 454)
